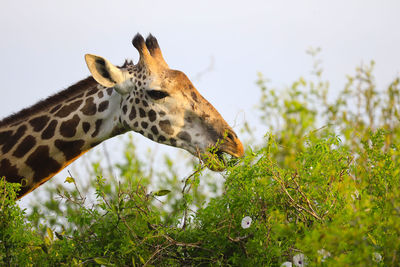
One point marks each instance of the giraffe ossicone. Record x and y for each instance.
(149, 98)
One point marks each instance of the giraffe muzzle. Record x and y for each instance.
(214, 157)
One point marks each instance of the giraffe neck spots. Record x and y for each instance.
(34, 149)
(70, 149)
(68, 127)
(39, 123)
(9, 138)
(41, 163)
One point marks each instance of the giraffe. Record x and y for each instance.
(148, 97)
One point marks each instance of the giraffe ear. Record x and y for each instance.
(103, 71)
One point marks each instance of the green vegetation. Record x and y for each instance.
(321, 189)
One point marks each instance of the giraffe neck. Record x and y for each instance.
(38, 142)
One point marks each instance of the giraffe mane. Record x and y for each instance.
(43, 104)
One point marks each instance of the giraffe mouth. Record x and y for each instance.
(218, 160)
(214, 160)
(219, 157)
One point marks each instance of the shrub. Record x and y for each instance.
(321, 189)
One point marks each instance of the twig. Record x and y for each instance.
(185, 212)
(306, 199)
(155, 253)
(76, 187)
(181, 244)
(238, 239)
(294, 203)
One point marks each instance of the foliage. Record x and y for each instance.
(321, 189)
(19, 244)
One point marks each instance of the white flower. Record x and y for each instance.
(299, 260)
(376, 257)
(325, 254)
(286, 264)
(246, 222)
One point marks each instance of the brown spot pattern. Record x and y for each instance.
(97, 130)
(4, 136)
(39, 123)
(103, 106)
(13, 139)
(49, 131)
(42, 164)
(109, 91)
(27, 144)
(194, 96)
(172, 141)
(85, 126)
(161, 139)
(89, 108)
(152, 115)
(67, 109)
(68, 128)
(165, 125)
(132, 114)
(9, 171)
(144, 124)
(142, 113)
(154, 130)
(71, 149)
(184, 136)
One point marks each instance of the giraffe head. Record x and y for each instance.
(163, 105)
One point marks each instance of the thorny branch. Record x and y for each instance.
(172, 242)
(298, 188)
(184, 191)
(296, 205)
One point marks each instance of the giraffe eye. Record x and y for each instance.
(157, 94)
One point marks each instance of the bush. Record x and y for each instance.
(322, 188)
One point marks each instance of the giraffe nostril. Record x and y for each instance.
(230, 136)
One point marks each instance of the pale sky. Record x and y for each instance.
(43, 44)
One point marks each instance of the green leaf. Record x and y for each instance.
(101, 261)
(161, 193)
(69, 180)
(50, 234)
(141, 259)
